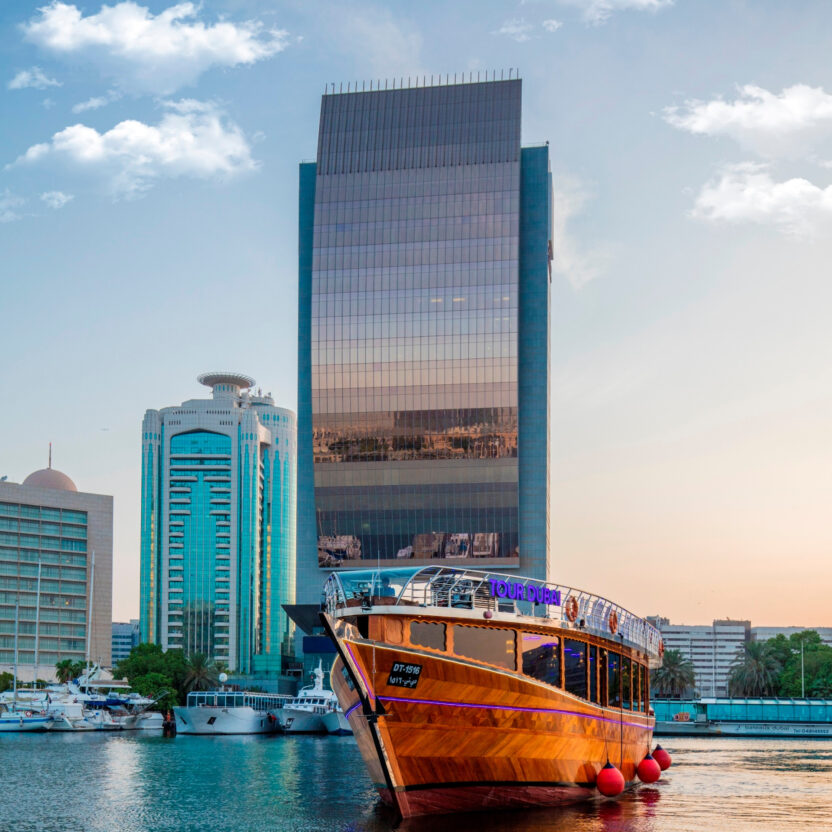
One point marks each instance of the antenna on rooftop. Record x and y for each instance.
(50, 454)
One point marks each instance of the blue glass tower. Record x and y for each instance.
(424, 266)
(218, 526)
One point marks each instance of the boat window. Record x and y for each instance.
(593, 673)
(428, 634)
(613, 679)
(486, 644)
(645, 701)
(574, 667)
(541, 658)
(626, 686)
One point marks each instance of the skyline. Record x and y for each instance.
(690, 374)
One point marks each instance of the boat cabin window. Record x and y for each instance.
(626, 686)
(428, 634)
(486, 644)
(574, 667)
(541, 658)
(593, 673)
(613, 679)
(645, 699)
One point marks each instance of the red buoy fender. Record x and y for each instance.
(648, 770)
(610, 781)
(662, 758)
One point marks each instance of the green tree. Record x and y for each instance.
(674, 678)
(151, 685)
(6, 681)
(755, 671)
(817, 665)
(202, 673)
(67, 669)
(166, 669)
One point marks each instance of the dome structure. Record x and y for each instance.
(50, 478)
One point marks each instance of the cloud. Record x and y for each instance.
(569, 259)
(389, 47)
(192, 139)
(788, 124)
(33, 78)
(747, 193)
(516, 29)
(56, 199)
(8, 203)
(97, 102)
(598, 11)
(146, 52)
(552, 25)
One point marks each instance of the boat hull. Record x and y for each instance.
(209, 720)
(336, 723)
(468, 737)
(300, 721)
(25, 723)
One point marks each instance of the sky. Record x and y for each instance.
(148, 232)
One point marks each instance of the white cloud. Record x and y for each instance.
(598, 11)
(747, 193)
(56, 199)
(8, 205)
(788, 124)
(516, 29)
(552, 25)
(192, 139)
(146, 52)
(96, 102)
(34, 78)
(569, 259)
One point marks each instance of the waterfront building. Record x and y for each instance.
(765, 633)
(126, 635)
(49, 527)
(218, 526)
(711, 648)
(423, 369)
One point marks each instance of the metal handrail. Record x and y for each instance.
(452, 587)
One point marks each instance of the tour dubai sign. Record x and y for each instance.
(518, 591)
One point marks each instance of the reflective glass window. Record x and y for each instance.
(541, 657)
(486, 644)
(575, 667)
(613, 679)
(428, 634)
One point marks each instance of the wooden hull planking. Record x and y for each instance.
(470, 737)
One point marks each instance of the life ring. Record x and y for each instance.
(572, 609)
(28, 713)
(613, 622)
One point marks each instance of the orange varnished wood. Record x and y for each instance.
(449, 757)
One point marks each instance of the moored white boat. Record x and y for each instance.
(23, 721)
(309, 712)
(229, 712)
(335, 722)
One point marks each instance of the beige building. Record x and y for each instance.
(49, 527)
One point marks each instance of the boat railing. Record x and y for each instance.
(455, 588)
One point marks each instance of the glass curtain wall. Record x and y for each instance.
(414, 324)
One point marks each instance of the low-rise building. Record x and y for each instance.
(125, 638)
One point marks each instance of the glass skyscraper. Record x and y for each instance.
(218, 526)
(425, 249)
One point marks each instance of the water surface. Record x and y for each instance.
(134, 783)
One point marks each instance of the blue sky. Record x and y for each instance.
(148, 194)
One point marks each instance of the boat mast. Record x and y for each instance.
(37, 625)
(16, 628)
(89, 613)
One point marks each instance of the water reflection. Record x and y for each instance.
(97, 783)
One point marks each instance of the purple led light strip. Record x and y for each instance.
(508, 708)
(347, 714)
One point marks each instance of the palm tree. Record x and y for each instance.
(201, 673)
(754, 671)
(675, 677)
(65, 670)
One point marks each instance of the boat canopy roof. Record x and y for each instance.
(514, 595)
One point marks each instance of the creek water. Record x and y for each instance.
(134, 783)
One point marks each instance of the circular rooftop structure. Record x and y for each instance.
(238, 380)
(50, 478)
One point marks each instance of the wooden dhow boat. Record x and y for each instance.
(470, 690)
